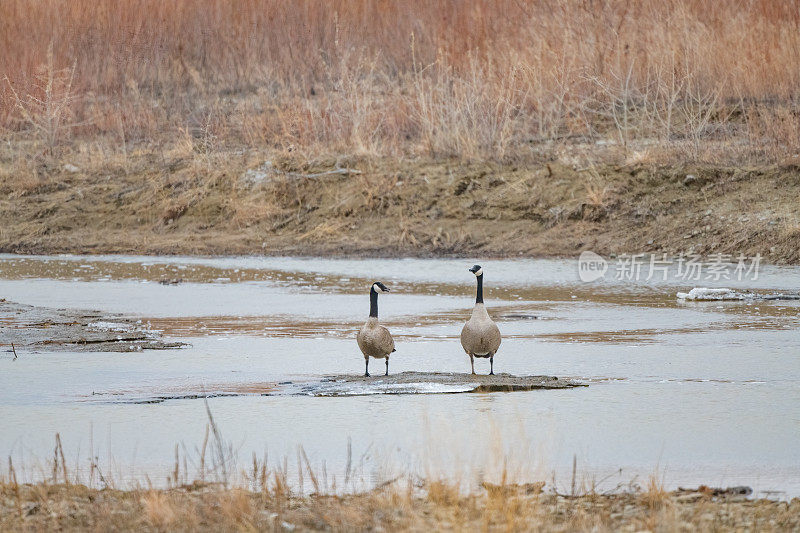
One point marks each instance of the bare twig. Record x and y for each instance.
(218, 446)
(311, 473)
(14, 350)
(386, 483)
(574, 471)
(58, 458)
(12, 474)
(342, 171)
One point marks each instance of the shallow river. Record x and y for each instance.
(691, 392)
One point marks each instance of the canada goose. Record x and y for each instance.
(480, 336)
(374, 339)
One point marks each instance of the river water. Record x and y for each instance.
(689, 392)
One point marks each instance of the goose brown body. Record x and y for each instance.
(373, 339)
(480, 336)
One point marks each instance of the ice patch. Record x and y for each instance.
(103, 325)
(363, 389)
(704, 294)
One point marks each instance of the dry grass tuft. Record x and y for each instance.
(655, 495)
(443, 493)
(158, 509)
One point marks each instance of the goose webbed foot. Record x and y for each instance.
(366, 368)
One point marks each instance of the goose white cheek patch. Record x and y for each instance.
(479, 272)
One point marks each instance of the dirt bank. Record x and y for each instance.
(243, 204)
(40, 329)
(401, 506)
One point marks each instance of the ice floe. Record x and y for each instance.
(702, 294)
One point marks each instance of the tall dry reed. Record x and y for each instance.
(474, 78)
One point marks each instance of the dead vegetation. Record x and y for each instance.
(399, 128)
(209, 490)
(700, 80)
(405, 506)
(406, 207)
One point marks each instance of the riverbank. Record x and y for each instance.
(441, 131)
(249, 204)
(398, 506)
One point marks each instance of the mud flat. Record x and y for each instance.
(31, 328)
(430, 382)
(343, 385)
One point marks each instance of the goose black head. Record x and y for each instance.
(477, 270)
(379, 287)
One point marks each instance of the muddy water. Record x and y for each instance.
(697, 392)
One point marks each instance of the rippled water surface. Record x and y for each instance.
(696, 392)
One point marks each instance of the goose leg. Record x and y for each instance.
(387, 367)
(491, 365)
(366, 368)
(472, 362)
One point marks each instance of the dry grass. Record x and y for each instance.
(227, 496)
(508, 79)
(404, 508)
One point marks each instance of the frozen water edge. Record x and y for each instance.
(102, 325)
(698, 294)
(351, 389)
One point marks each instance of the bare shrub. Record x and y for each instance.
(47, 109)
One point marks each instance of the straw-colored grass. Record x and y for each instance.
(502, 79)
(209, 490)
(435, 507)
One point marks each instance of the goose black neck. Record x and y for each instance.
(479, 294)
(373, 303)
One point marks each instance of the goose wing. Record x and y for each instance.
(386, 340)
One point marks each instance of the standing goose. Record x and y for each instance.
(480, 336)
(374, 339)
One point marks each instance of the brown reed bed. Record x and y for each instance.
(697, 79)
